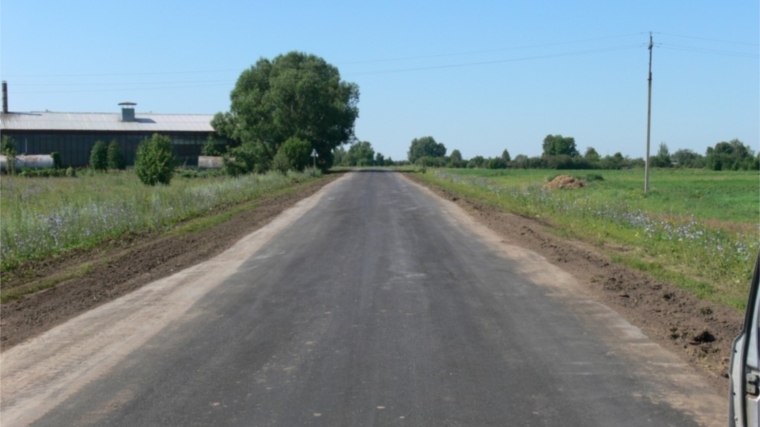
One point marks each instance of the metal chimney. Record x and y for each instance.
(5, 97)
(127, 111)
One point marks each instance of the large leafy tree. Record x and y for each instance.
(556, 145)
(296, 95)
(425, 147)
(359, 154)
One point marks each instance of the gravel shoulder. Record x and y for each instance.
(87, 279)
(700, 332)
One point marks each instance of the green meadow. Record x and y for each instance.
(41, 217)
(696, 229)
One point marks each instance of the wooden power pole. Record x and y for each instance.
(649, 115)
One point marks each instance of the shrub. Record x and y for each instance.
(56, 159)
(116, 159)
(99, 156)
(297, 153)
(280, 162)
(154, 163)
(8, 148)
(71, 172)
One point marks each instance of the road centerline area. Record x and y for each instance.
(373, 303)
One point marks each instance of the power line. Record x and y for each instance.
(500, 61)
(529, 46)
(708, 39)
(472, 52)
(708, 50)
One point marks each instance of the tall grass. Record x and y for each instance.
(713, 261)
(42, 216)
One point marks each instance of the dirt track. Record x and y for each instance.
(667, 315)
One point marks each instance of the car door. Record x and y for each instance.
(744, 370)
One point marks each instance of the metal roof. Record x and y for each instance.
(42, 121)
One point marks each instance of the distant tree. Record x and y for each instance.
(505, 156)
(359, 153)
(425, 147)
(379, 159)
(338, 154)
(615, 161)
(99, 156)
(732, 155)
(478, 162)
(294, 95)
(662, 159)
(496, 163)
(8, 147)
(688, 159)
(116, 160)
(591, 155)
(154, 163)
(555, 145)
(520, 161)
(456, 156)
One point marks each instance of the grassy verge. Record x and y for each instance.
(680, 242)
(43, 216)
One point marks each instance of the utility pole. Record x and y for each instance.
(649, 115)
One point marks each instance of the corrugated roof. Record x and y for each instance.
(41, 121)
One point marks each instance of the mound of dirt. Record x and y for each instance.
(565, 182)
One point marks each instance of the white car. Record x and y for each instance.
(744, 371)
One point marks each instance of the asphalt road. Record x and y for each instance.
(377, 307)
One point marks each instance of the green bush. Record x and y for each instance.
(154, 163)
(280, 162)
(56, 159)
(116, 159)
(99, 156)
(297, 153)
(8, 148)
(71, 172)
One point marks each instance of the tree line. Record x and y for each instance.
(560, 152)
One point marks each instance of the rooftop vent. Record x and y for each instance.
(5, 97)
(127, 111)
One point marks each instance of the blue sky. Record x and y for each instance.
(479, 76)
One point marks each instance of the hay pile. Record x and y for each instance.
(565, 182)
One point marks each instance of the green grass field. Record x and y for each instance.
(696, 229)
(44, 216)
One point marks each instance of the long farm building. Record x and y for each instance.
(73, 135)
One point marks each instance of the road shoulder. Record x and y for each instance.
(699, 332)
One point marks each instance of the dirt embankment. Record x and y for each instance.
(699, 331)
(120, 266)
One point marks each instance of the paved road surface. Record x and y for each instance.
(383, 306)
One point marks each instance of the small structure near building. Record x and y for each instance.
(40, 161)
(210, 162)
(74, 134)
